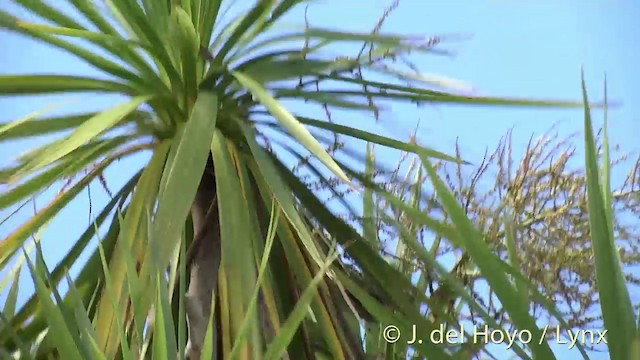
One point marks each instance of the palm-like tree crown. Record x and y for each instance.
(204, 97)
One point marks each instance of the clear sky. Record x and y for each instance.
(518, 48)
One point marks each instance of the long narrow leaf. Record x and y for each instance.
(291, 123)
(617, 311)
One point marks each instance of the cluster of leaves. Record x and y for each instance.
(200, 88)
(547, 190)
(548, 193)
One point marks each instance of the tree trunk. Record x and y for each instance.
(203, 264)
(203, 260)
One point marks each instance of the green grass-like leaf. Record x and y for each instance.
(614, 297)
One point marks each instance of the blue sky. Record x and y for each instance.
(518, 48)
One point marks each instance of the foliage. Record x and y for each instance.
(205, 98)
(548, 192)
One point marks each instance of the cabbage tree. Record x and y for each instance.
(215, 211)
